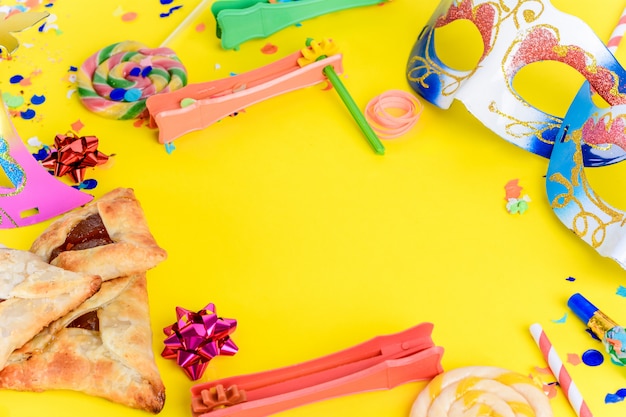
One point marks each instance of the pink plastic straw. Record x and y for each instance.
(570, 389)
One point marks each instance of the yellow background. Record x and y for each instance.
(286, 220)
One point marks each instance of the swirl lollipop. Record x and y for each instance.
(481, 390)
(115, 81)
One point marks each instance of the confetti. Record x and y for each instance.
(12, 102)
(28, 114)
(77, 126)
(169, 148)
(592, 357)
(16, 79)
(512, 189)
(269, 49)
(200, 27)
(573, 359)
(34, 141)
(621, 291)
(561, 320)
(571, 279)
(172, 9)
(516, 204)
(37, 100)
(615, 398)
(129, 17)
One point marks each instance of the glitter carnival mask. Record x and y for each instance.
(516, 33)
(34, 194)
(571, 196)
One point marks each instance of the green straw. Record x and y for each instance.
(367, 130)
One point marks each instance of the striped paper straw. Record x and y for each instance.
(618, 33)
(558, 369)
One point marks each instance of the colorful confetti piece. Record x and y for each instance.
(592, 357)
(574, 359)
(621, 291)
(619, 396)
(269, 49)
(77, 126)
(570, 279)
(561, 320)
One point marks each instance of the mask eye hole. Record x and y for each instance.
(459, 45)
(549, 86)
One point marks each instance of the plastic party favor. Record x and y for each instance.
(241, 20)
(380, 363)
(612, 335)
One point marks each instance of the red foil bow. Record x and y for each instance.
(73, 155)
(196, 338)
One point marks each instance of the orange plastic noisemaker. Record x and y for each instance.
(381, 363)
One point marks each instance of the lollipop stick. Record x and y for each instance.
(194, 13)
(570, 389)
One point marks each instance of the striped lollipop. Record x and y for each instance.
(115, 81)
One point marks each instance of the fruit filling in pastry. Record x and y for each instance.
(88, 233)
(88, 321)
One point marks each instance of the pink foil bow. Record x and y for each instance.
(73, 155)
(196, 338)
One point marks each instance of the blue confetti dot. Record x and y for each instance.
(169, 148)
(621, 392)
(592, 357)
(117, 94)
(135, 71)
(132, 94)
(37, 100)
(146, 71)
(73, 68)
(166, 1)
(28, 114)
(570, 279)
(16, 79)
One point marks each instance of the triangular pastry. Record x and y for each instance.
(108, 237)
(33, 294)
(107, 354)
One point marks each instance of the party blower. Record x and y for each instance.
(609, 332)
(238, 21)
(381, 363)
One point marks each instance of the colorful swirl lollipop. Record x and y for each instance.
(484, 391)
(116, 81)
